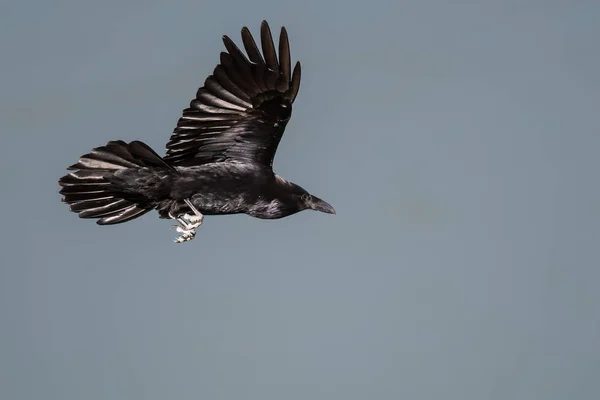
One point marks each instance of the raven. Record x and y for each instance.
(219, 158)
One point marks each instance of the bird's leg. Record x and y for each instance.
(197, 218)
(188, 224)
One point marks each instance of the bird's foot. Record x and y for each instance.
(187, 228)
(193, 220)
(186, 234)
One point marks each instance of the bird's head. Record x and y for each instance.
(301, 199)
(310, 202)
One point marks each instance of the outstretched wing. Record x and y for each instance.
(241, 111)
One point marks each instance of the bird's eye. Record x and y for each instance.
(305, 197)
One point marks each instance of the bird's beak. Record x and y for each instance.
(320, 205)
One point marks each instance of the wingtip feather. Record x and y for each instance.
(268, 47)
(284, 54)
(295, 84)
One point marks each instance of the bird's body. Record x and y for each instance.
(214, 189)
(219, 158)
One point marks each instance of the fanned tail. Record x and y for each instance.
(89, 192)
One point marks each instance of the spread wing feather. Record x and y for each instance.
(240, 113)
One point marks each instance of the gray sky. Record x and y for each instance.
(458, 142)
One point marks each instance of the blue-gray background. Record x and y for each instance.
(458, 142)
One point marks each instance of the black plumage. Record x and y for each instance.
(219, 157)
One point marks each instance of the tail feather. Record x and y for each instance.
(108, 209)
(102, 160)
(127, 214)
(89, 192)
(75, 197)
(98, 207)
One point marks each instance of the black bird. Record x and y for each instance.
(219, 158)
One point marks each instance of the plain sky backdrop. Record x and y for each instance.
(457, 140)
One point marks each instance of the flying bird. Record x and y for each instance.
(219, 158)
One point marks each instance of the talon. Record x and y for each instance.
(184, 238)
(187, 224)
(186, 234)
